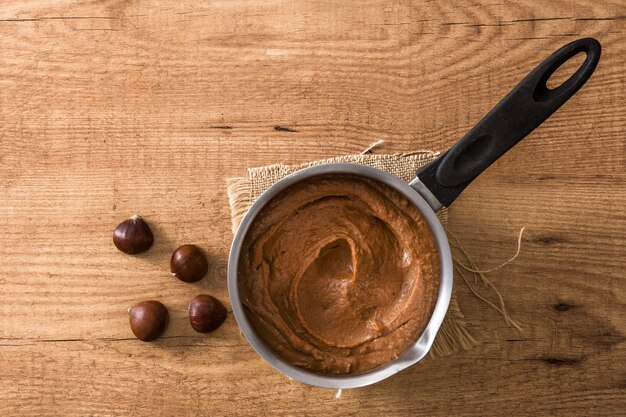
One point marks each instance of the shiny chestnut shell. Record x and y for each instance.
(189, 264)
(148, 320)
(133, 236)
(206, 313)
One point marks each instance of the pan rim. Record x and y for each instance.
(423, 343)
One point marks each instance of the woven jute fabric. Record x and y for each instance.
(243, 191)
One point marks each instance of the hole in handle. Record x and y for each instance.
(565, 71)
(568, 87)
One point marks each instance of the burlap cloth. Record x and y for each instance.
(243, 191)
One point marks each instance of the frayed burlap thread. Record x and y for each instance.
(243, 191)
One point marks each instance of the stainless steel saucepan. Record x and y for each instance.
(435, 186)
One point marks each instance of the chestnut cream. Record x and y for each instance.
(339, 274)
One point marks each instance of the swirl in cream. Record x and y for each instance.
(339, 274)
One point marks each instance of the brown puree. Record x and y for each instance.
(339, 274)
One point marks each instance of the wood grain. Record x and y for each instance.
(109, 108)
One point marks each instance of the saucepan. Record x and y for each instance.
(436, 185)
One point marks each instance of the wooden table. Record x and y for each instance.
(110, 108)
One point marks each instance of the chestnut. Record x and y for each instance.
(133, 236)
(206, 313)
(189, 264)
(148, 320)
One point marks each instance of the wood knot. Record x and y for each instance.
(279, 128)
(563, 306)
(562, 361)
(549, 239)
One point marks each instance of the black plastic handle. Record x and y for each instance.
(528, 105)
